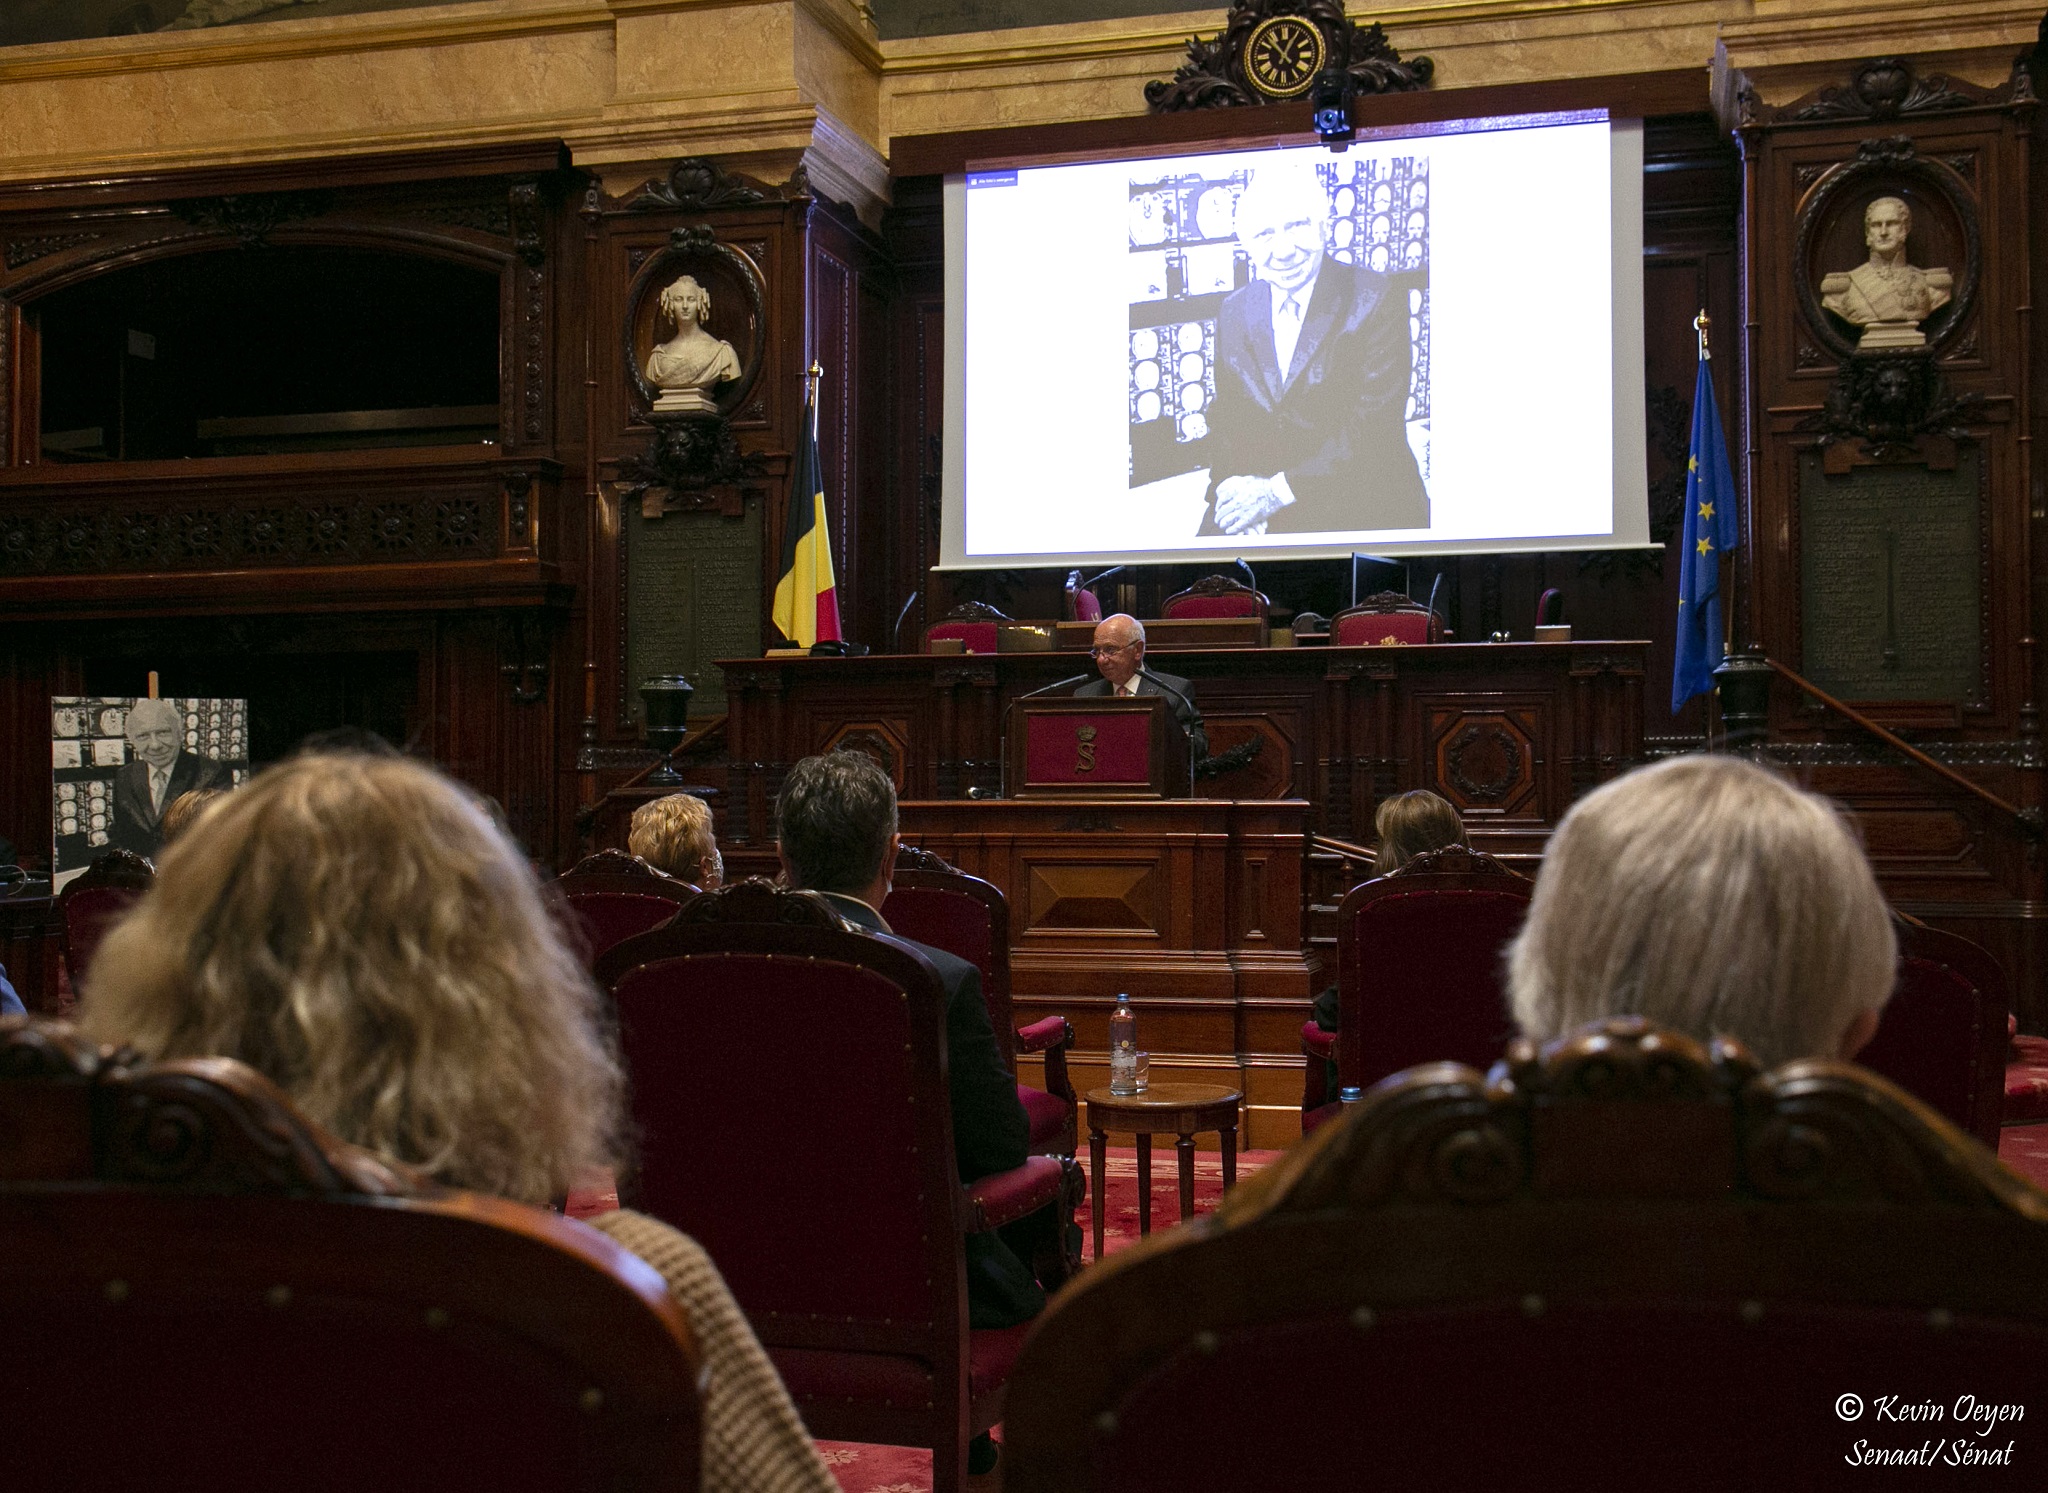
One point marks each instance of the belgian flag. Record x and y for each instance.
(806, 606)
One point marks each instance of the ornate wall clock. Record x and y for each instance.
(1283, 54)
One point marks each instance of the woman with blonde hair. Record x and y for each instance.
(1710, 895)
(674, 834)
(356, 929)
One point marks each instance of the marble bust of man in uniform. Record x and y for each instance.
(1885, 295)
(693, 361)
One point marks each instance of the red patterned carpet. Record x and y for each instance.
(2024, 1148)
(903, 1469)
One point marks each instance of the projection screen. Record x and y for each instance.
(1430, 343)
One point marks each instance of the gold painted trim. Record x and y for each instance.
(308, 37)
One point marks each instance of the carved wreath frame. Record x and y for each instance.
(1878, 162)
(693, 248)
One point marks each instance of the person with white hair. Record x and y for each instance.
(1710, 895)
(157, 775)
(1308, 430)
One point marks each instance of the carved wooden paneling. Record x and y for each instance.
(1118, 896)
(1487, 760)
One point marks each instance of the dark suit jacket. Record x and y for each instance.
(137, 826)
(1184, 709)
(990, 1131)
(1334, 422)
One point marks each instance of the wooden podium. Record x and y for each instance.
(1104, 746)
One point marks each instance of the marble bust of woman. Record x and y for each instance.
(689, 364)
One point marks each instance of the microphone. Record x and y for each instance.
(1189, 735)
(896, 632)
(1056, 684)
(1249, 574)
(1003, 731)
(1435, 586)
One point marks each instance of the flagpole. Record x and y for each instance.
(814, 378)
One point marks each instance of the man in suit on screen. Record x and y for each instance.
(159, 773)
(1308, 431)
(1119, 654)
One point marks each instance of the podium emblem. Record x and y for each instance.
(1084, 749)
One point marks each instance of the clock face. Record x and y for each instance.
(1283, 55)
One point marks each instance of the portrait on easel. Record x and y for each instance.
(119, 763)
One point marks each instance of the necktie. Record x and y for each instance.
(1286, 330)
(159, 781)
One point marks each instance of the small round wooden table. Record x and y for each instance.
(1162, 1109)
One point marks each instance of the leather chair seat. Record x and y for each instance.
(893, 1380)
(1047, 1113)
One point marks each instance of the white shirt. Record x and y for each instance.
(1129, 686)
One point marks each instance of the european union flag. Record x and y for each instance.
(1710, 532)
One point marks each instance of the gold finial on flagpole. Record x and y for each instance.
(1700, 324)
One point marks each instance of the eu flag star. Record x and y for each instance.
(1706, 510)
(1706, 545)
(1692, 463)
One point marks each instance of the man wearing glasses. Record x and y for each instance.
(1120, 655)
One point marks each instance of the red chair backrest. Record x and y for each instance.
(968, 918)
(1385, 619)
(788, 1082)
(1083, 605)
(1629, 1229)
(93, 902)
(615, 895)
(1942, 1037)
(1420, 977)
(1216, 596)
(980, 637)
(204, 1290)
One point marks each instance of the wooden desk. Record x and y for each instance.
(1509, 732)
(1192, 907)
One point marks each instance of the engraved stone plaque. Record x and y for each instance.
(1891, 580)
(693, 595)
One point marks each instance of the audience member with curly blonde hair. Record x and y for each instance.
(1707, 894)
(674, 834)
(355, 928)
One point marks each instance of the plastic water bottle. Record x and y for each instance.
(1123, 1048)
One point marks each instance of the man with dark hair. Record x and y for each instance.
(836, 829)
(835, 826)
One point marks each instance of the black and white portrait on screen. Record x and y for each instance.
(1279, 345)
(118, 762)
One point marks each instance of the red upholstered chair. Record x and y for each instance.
(92, 902)
(1383, 619)
(32, 949)
(615, 895)
(202, 1289)
(1083, 605)
(1419, 972)
(1464, 1285)
(972, 622)
(1942, 1037)
(936, 903)
(788, 1079)
(1216, 596)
